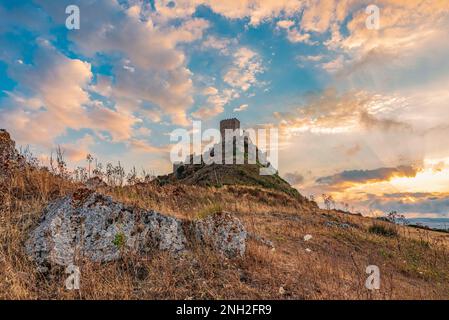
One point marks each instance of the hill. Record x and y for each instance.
(221, 174)
(294, 250)
(218, 175)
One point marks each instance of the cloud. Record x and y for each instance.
(141, 145)
(208, 112)
(240, 77)
(223, 45)
(210, 91)
(412, 203)
(331, 112)
(352, 151)
(77, 151)
(215, 104)
(246, 65)
(319, 15)
(304, 61)
(316, 58)
(57, 92)
(390, 52)
(57, 99)
(148, 43)
(333, 65)
(296, 36)
(243, 107)
(242, 74)
(400, 28)
(118, 124)
(367, 176)
(257, 11)
(370, 122)
(294, 178)
(285, 24)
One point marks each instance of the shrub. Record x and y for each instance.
(119, 240)
(383, 230)
(209, 210)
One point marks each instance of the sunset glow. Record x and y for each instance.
(362, 111)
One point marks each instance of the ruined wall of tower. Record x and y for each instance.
(232, 124)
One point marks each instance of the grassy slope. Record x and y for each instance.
(221, 175)
(413, 264)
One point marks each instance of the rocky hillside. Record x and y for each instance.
(181, 241)
(222, 175)
(219, 175)
(9, 157)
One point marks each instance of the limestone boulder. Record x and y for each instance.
(224, 233)
(89, 225)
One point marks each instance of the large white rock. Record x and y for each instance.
(93, 226)
(223, 232)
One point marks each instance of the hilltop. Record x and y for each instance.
(218, 175)
(222, 174)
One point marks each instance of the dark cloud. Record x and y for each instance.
(422, 203)
(401, 195)
(363, 176)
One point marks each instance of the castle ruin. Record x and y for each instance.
(228, 124)
(232, 124)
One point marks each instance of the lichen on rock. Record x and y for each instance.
(223, 232)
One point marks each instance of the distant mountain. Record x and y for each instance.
(432, 223)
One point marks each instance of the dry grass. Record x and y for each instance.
(414, 264)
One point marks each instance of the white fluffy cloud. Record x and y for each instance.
(242, 75)
(59, 100)
(215, 103)
(243, 107)
(148, 44)
(246, 64)
(257, 10)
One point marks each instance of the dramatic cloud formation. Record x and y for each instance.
(346, 98)
(364, 176)
(153, 68)
(433, 204)
(59, 101)
(329, 112)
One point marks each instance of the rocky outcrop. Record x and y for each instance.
(9, 157)
(88, 225)
(223, 232)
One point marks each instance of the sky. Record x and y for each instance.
(362, 112)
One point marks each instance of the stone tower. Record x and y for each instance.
(233, 124)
